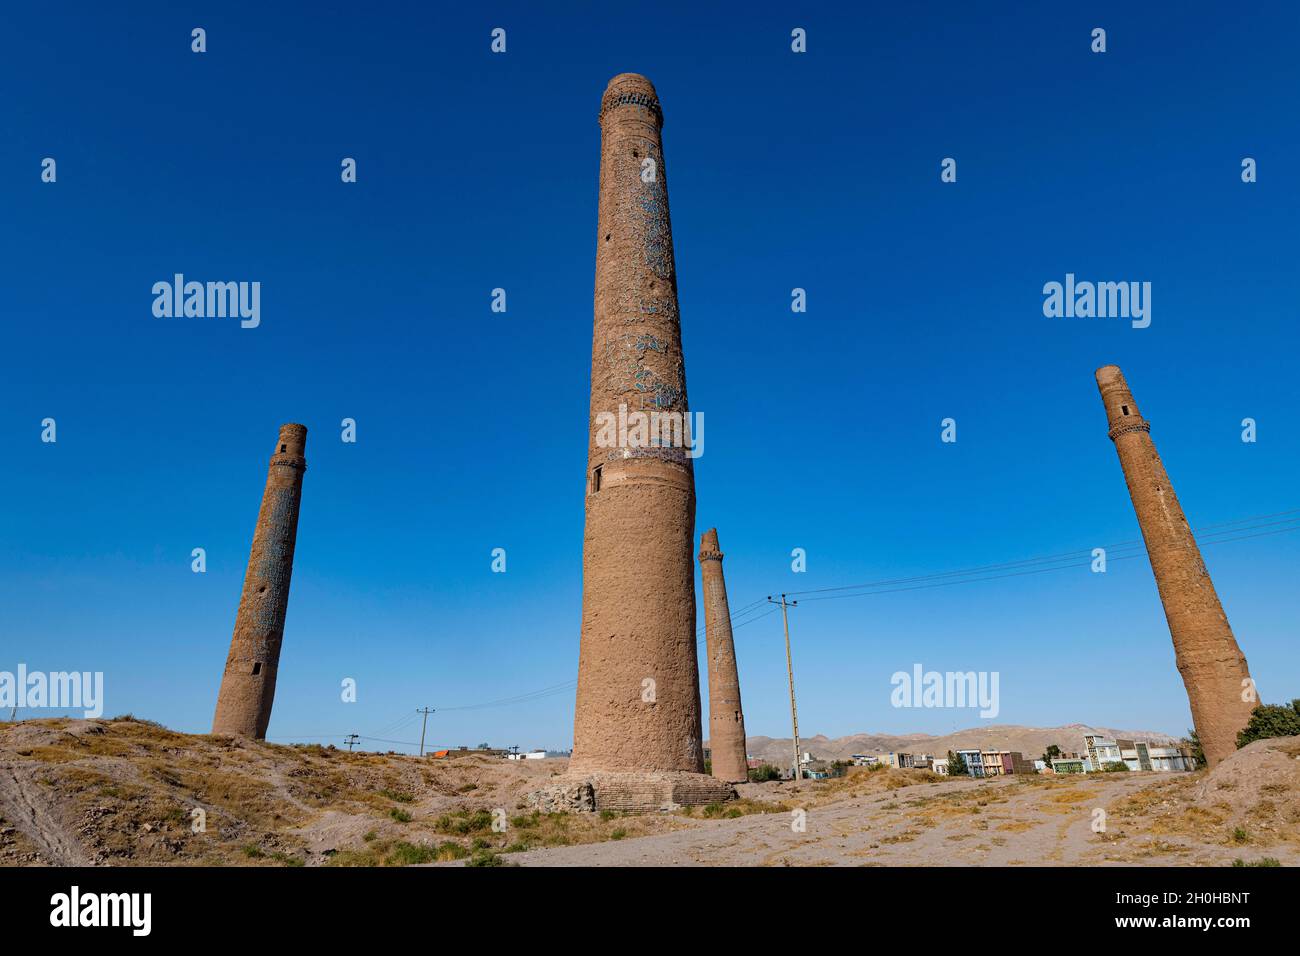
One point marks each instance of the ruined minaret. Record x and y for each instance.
(638, 705)
(248, 684)
(1213, 667)
(726, 719)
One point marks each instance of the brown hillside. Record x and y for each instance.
(124, 791)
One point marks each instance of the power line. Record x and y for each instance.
(1073, 556)
(565, 686)
(424, 726)
(755, 610)
(929, 583)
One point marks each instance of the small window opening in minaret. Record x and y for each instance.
(737, 716)
(595, 479)
(607, 235)
(284, 448)
(257, 667)
(1124, 409)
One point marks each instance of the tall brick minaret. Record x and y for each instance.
(248, 684)
(726, 719)
(1213, 667)
(638, 705)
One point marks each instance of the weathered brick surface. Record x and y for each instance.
(726, 719)
(640, 792)
(248, 684)
(1213, 666)
(638, 700)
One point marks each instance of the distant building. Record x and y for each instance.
(1019, 764)
(1102, 751)
(940, 765)
(817, 770)
(1069, 765)
(997, 763)
(1135, 754)
(1170, 759)
(974, 762)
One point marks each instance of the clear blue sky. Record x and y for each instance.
(479, 171)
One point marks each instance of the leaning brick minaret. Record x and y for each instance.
(248, 684)
(726, 719)
(1213, 667)
(638, 703)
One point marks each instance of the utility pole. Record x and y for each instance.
(789, 667)
(350, 740)
(427, 711)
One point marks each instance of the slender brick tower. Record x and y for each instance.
(638, 703)
(1213, 667)
(248, 684)
(726, 719)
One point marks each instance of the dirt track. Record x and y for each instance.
(23, 802)
(1000, 822)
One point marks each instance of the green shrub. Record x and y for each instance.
(1271, 720)
(464, 822)
(410, 854)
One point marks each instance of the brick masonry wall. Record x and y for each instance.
(248, 683)
(1213, 666)
(638, 604)
(726, 718)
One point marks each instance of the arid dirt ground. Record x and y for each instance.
(128, 792)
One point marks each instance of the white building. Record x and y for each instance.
(1101, 751)
(531, 755)
(1169, 759)
(1134, 754)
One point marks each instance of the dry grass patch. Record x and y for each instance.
(742, 807)
(1018, 826)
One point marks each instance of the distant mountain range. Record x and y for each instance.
(1030, 741)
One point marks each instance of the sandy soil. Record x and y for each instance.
(125, 792)
(1247, 810)
(953, 823)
